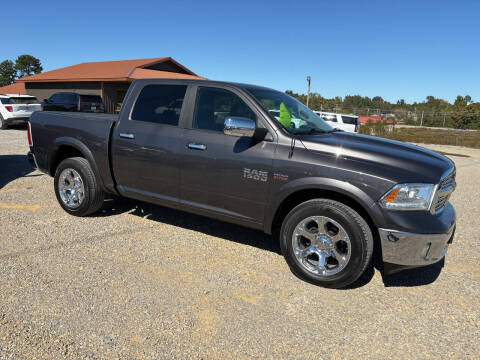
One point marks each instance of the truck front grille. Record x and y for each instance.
(445, 189)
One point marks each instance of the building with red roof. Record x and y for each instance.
(109, 79)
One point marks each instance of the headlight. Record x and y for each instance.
(408, 197)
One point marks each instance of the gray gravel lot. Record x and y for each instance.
(140, 281)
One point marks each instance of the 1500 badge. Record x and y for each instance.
(255, 174)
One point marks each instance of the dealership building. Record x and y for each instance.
(109, 79)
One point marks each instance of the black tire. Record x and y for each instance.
(3, 123)
(93, 194)
(360, 235)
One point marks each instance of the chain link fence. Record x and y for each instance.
(446, 119)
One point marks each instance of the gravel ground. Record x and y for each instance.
(140, 281)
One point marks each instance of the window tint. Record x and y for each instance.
(70, 99)
(214, 105)
(329, 117)
(160, 104)
(91, 99)
(23, 100)
(4, 101)
(55, 98)
(349, 120)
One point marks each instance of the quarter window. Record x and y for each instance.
(214, 105)
(160, 104)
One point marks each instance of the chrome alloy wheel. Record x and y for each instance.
(71, 188)
(321, 245)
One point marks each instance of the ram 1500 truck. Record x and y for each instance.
(257, 157)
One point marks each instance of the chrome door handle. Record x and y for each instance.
(197, 146)
(127, 136)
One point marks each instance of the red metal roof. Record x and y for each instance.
(362, 119)
(16, 88)
(109, 71)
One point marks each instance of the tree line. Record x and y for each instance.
(463, 112)
(24, 65)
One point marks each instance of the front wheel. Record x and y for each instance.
(76, 187)
(327, 243)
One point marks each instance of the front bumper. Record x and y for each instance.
(16, 120)
(410, 249)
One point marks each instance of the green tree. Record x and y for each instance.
(27, 65)
(7, 72)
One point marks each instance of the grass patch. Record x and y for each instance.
(429, 136)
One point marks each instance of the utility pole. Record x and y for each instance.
(308, 90)
(421, 121)
(444, 118)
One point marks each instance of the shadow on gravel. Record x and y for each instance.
(227, 231)
(17, 127)
(242, 235)
(414, 277)
(13, 167)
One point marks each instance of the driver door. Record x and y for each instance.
(226, 176)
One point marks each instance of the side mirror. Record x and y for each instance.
(45, 100)
(239, 126)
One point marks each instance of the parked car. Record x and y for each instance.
(326, 195)
(69, 101)
(16, 109)
(343, 122)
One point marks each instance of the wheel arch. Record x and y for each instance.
(325, 189)
(64, 148)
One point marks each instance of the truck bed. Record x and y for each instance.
(88, 131)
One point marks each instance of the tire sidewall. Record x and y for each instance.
(79, 167)
(354, 231)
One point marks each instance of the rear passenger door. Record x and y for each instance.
(146, 145)
(225, 176)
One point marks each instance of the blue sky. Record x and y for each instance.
(395, 49)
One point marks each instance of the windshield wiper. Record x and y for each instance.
(311, 131)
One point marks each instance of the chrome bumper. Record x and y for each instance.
(411, 249)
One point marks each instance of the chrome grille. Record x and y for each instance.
(445, 189)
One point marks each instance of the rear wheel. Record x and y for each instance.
(326, 243)
(76, 187)
(3, 123)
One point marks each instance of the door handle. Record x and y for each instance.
(197, 146)
(127, 136)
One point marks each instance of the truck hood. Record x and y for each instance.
(393, 160)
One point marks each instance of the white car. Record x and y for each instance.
(16, 108)
(343, 122)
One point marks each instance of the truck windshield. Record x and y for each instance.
(290, 113)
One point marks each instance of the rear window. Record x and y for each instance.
(91, 99)
(350, 120)
(329, 117)
(160, 104)
(19, 100)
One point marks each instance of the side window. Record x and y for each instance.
(349, 120)
(329, 117)
(214, 105)
(160, 104)
(55, 98)
(70, 99)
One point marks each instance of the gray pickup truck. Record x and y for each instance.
(257, 157)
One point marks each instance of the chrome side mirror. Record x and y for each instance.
(239, 126)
